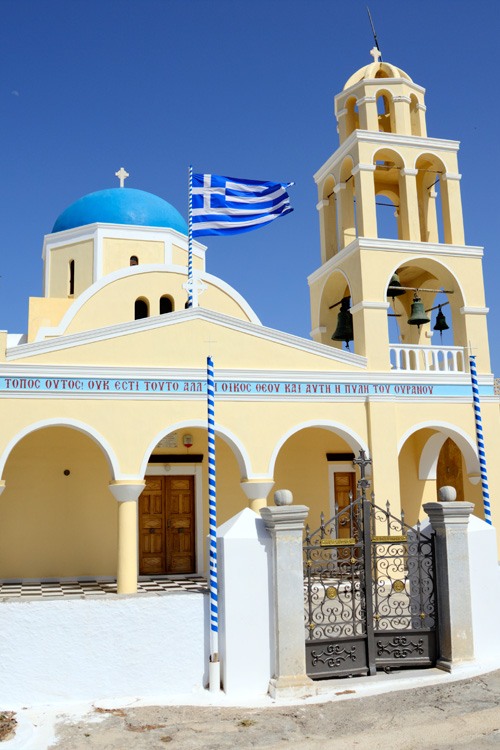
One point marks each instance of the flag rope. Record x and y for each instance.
(480, 440)
(190, 237)
(212, 515)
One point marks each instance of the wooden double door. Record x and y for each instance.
(167, 526)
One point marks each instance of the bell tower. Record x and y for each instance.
(391, 219)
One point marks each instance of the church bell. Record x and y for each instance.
(344, 330)
(394, 289)
(441, 324)
(418, 316)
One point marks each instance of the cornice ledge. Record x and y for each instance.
(198, 313)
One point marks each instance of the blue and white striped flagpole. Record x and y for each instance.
(190, 237)
(480, 440)
(214, 666)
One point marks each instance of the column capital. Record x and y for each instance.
(366, 100)
(339, 187)
(284, 518)
(451, 176)
(363, 168)
(448, 514)
(257, 488)
(401, 98)
(322, 204)
(367, 305)
(408, 172)
(2, 485)
(127, 490)
(474, 310)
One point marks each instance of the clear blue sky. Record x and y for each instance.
(233, 87)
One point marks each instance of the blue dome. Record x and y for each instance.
(121, 206)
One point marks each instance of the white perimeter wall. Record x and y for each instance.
(91, 649)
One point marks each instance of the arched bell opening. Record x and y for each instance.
(346, 207)
(434, 456)
(388, 190)
(336, 320)
(434, 214)
(425, 302)
(385, 112)
(328, 220)
(352, 116)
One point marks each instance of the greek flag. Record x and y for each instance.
(228, 205)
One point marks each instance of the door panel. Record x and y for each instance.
(344, 486)
(152, 527)
(167, 526)
(180, 534)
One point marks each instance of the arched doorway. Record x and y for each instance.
(449, 468)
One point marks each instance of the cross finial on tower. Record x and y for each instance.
(122, 176)
(376, 54)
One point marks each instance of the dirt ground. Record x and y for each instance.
(462, 714)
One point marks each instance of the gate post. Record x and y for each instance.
(285, 525)
(450, 520)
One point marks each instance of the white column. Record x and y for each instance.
(450, 520)
(286, 525)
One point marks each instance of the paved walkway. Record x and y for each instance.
(441, 713)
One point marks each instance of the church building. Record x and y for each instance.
(103, 437)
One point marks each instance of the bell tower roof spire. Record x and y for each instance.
(376, 69)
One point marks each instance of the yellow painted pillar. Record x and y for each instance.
(345, 196)
(408, 205)
(402, 121)
(257, 491)
(383, 442)
(371, 333)
(453, 222)
(366, 215)
(342, 124)
(421, 110)
(368, 116)
(127, 494)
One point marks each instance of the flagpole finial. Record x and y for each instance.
(122, 175)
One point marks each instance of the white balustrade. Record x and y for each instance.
(427, 358)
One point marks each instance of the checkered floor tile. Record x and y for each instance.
(76, 588)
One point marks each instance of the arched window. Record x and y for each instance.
(141, 308)
(384, 111)
(134, 260)
(352, 117)
(71, 278)
(166, 304)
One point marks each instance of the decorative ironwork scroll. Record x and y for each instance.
(369, 589)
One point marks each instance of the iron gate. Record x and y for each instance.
(369, 592)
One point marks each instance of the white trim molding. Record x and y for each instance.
(474, 310)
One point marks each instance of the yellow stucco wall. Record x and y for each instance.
(116, 253)
(83, 255)
(54, 525)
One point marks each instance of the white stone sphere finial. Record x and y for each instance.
(447, 494)
(283, 497)
(122, 175)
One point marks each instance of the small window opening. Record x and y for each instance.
(71, 278)
(166, 304)
(134, 260)
(141, 309)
